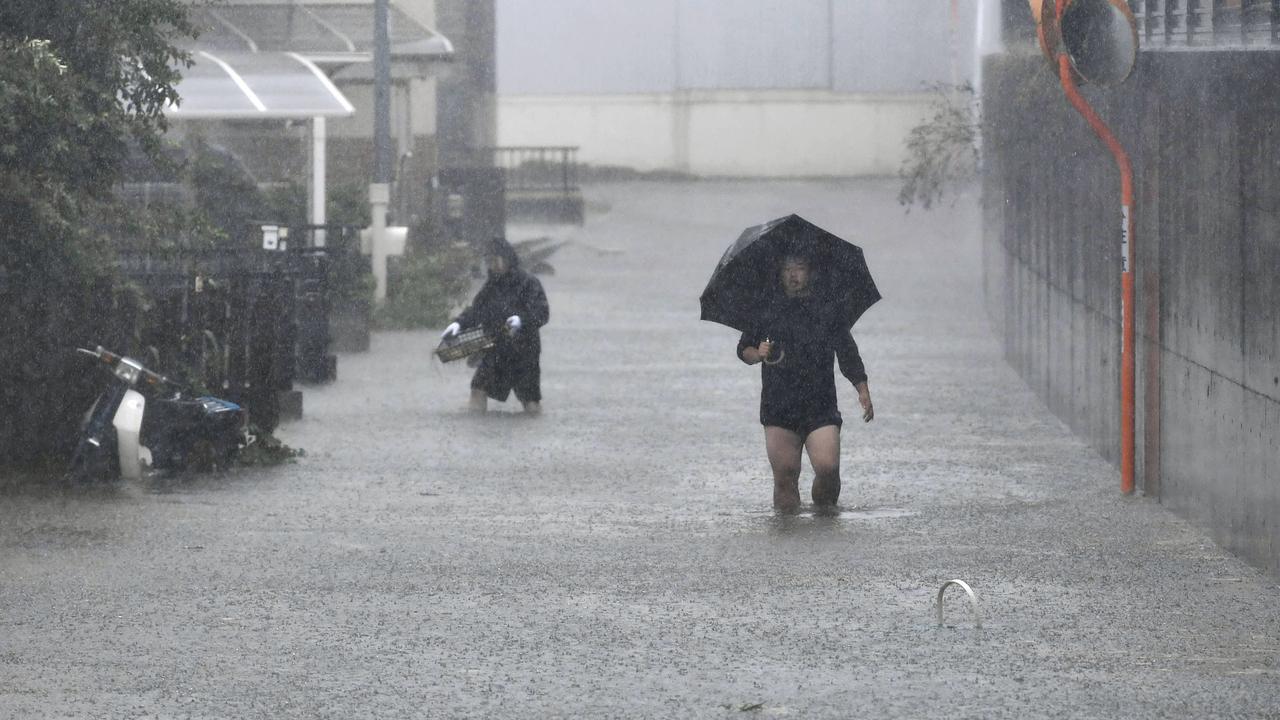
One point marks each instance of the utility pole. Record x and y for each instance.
(680, 100)
(831, 45)
(380, 188)
(953, 43)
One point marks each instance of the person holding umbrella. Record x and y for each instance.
(794, 291)
(511, 307)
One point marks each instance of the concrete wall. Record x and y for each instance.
(1203, 132)
(745, 133)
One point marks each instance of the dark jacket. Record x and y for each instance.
(807, 339)
(514, 292)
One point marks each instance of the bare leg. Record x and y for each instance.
(823, 445)
(533, 407)
(479, 401)
(784, 449)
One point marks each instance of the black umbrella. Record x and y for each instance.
(746, 283)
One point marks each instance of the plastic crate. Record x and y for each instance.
(464, 344)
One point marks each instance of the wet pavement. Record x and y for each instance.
(617, 557)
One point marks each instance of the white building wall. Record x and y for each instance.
(627, 130)
(548, 47)
(738, 133)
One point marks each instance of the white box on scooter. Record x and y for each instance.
(128, 425)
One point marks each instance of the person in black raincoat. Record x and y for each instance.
(512, 307)
(797, 340)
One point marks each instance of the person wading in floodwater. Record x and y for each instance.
(796, 342)
(511, 306)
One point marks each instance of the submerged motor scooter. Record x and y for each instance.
(145, 420)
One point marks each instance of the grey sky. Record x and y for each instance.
(629, 46)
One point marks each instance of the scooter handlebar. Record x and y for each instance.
(157, 379)
(150, 378)
(102, 354)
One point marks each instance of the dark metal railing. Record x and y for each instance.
(1207, 23)
(539, 181)
(531, 167)
(223, 320)
(245, 323)
(326, 269)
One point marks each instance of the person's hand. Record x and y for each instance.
(864, 397)
(513, 324)
(453, 329)
(764, 350)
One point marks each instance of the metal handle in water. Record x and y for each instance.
(973, 601)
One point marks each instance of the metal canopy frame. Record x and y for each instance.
(325, 33)
(251, 86)
(262, 86)
(278, 60)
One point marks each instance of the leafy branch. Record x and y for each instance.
(942, 152)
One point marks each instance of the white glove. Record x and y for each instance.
(513, 323)
(453, 329)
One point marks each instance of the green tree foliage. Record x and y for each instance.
(425, 287)
(224, 190)
(87, 76)
(80, 82)
(942, 152)
(348, 204)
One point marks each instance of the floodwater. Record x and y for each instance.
(617, 557)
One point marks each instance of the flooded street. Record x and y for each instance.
(618, 556)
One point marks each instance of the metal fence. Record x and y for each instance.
(541, 182)
(246, 324)
(551, 168)
(225, 321)
(1191, 24)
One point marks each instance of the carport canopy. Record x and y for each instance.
(326, 32)
(262, 85)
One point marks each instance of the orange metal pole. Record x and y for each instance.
(1126, 260)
